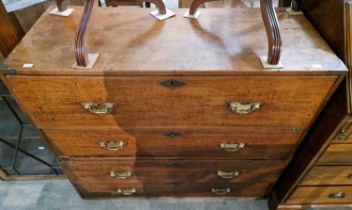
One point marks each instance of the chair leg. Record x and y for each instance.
(272, 30)
(61, 5)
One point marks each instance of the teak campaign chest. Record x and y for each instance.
(178, 107)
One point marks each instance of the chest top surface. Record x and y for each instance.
(131, 42)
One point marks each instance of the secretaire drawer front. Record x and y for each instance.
(337, 154)
(328, 175)
(177, 189)
(242, 143)
(192, 102)
(139, 170)
(321, 195)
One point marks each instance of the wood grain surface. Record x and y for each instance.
(148, 170)
(337, 154)
(183, 189)
(141, 102)
(260, 143)
(328, 175)
(316, 140)
(320, 195)
(176, 46)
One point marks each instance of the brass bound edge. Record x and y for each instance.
(4, 69)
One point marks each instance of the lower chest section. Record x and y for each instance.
(173, 177)
(173, 136)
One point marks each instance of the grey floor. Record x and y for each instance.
(60, 195)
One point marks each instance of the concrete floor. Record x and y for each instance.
(60, 195)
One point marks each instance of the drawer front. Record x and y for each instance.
(242, 143)
(183, 189)
(344, 133)
(321, 195)
(337, 154)
(65, 102)
(329, 175)
(169, 171)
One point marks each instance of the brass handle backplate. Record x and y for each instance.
(232, 147)
(98, 108)
(221, 191)
(337, 195)
(121, 174)
(112, 145)
(227, 175)
(126, 191)
(244, 108)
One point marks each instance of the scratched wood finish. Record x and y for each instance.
(183, 189)
(328, 175)
(147, 170)
(261, 143)
(337, 154)
(233, 47)
(320, 195)
(55, 101)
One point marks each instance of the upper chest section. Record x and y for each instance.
(129, 42)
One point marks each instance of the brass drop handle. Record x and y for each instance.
(342, 135)
(126, 191)
(337, 195)
(227, 175)
(244, 108)
(99, 108)
(221, 191)
(232, 147)
(121, 174)
(112, 145)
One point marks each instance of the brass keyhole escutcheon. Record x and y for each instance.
(172, 83)
(173, 134)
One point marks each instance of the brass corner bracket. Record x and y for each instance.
(4, 69)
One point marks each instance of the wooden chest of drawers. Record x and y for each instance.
(174, 108)
(320, 173)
